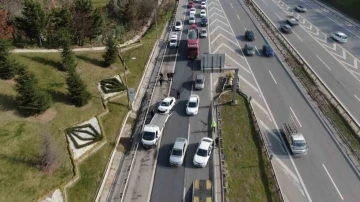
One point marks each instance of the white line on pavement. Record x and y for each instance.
(238, 16)
(295, 117)
(272, 117)
(249, 84)
(268, 130)
(184, 194)
(297, 36)
(257, 50)
(323, 62)
(272, 77)
(231, 5)
(261, 108)
(217, 15)
(287, 170)
(357, 98)
(264, 2)
(222, 29)
(244, 28)
(333, 182)
(278, 16)
(225, 46)
(223, 37)
(219, 21)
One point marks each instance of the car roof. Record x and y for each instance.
(173, 36)
(192, 9)
(340, 33)
(203, 29)
(249, 45)
(298, 136)
(203, 19)
(205, 143)
(167, 99)
(193, 98)
(179, 143)
(200, 76)
(202, 10)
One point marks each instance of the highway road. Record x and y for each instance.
(323, 175)
(336, 64)
(173, 184)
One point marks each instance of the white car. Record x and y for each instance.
(192, 106)
(200, 82)
(166, 105)
(177, 154)
(202, 13)
(178, 25)
(301, 8)
(192, 19)
(203, 152)
(339, 37)
(173, 40)
(203, 4)
(192, 11)
(203, 33)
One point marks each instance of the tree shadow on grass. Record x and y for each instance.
(258, 143)
(17, 160)
(45, 61)
(93, 61)
(7, 102)
(59, 96)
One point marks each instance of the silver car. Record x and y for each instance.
(199, 82)
(177, 154)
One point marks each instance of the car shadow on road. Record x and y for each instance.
(180, 107)
(274, 142)
(164, 154)
(242, 38)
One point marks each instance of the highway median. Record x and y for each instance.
(249, 171)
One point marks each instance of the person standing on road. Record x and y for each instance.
(178, 94)
(160, 81)
(152, 113)
(161, 75)
(213, 125)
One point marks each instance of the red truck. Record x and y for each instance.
(193, 43)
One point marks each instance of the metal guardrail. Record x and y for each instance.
(346, 18)
(148, 99)
(264, 147)
(317, 90)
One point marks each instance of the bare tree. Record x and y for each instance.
(48, 159)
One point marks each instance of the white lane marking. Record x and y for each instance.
(264, 2)
(278, 16)
(257, 50)
(223, 37)
(184, 194)
(323, 62)
(272, 77)
(216, 9)
(272, 117)
(225, 46)
(213, 3)
(249, 84)
(231, 5)
(244, 28)
(267, 129)
(238, 16)
(295, 117)
(217, 15)
(261, 108)
(242, 67)
(297, 36)
(222, 29)
(171, 55)
(357, 98)
(333, 182)
(286, 169)
(219, 21)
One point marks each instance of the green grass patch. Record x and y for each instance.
(20, 137)
(249, 172)
(91, 171)
(99, 3)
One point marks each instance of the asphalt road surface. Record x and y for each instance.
(174, 184)
(323, 175)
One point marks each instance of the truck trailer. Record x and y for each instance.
(193, 43)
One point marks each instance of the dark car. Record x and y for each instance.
(249, 35)
(268, 51)
(249, 50)
(190, 4)
(286, 28)
(204, 22)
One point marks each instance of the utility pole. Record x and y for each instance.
(126, 83)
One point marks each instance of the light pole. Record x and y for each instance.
(126, 84)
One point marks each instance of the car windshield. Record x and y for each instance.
(176, 152)
(148, 135)
(192, 104)
(204, 20)
(178, 23)
(192, 34)
(172, 41)
(202, 152)
(165, 104)
(299, 143)
(199, 81)
(250, 48)
(203, 31)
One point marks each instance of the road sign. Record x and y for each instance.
(131, 94)
(211, 62)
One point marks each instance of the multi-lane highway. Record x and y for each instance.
(323, 175)
(336, 64)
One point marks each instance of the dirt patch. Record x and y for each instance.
(10, 81)
(125, 144)
(45, 117)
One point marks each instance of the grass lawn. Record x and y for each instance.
(249, 177)
(99, 3)
(20, 137)
(92, 169)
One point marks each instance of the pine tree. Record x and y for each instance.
(111, 51)
(31, 99)
(7, 66)
(77, 89)
(33, 20)
(68, 58)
